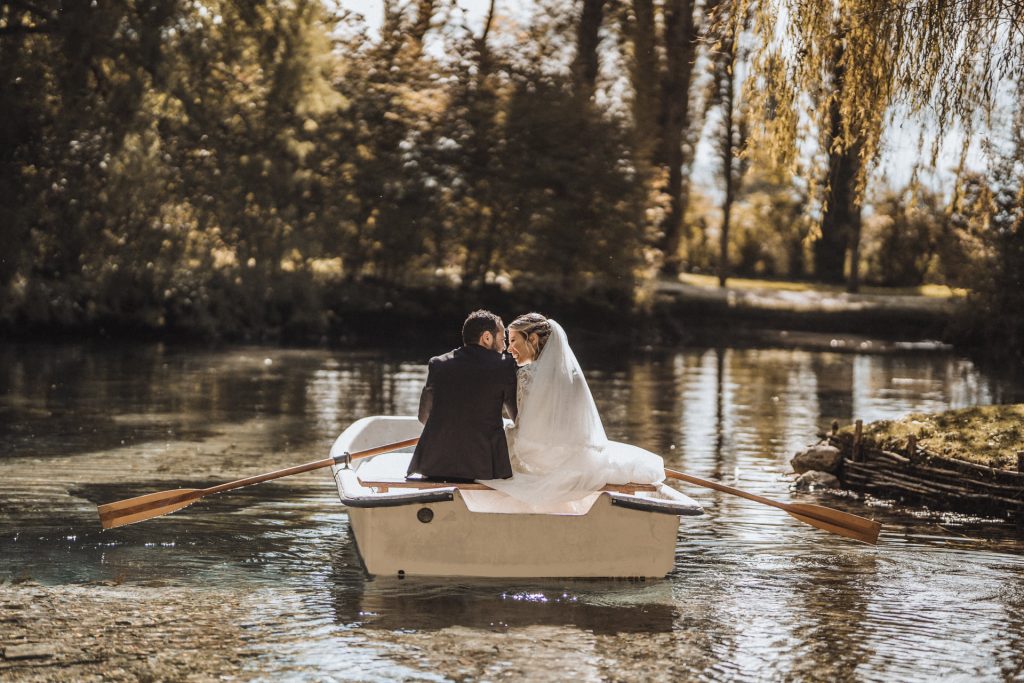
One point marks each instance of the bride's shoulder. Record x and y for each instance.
(524, 375)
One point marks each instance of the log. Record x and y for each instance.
(1006, 477)
(951, 478)
(858, 431)
(937, 480)
(945, 497)
(886, 456)
(941, 490)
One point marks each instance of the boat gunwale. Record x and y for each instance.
(668, 504)
(435, 496)
(656, 505)
(378, 500)
(446, 494)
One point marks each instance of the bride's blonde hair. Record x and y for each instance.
(533, 323)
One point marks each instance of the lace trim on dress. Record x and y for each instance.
(524, 375)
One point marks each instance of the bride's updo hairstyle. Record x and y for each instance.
(533, 323)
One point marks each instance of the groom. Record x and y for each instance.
(463, 433)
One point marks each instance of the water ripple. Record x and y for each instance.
(754, 595)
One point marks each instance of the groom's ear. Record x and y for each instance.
(486, 339)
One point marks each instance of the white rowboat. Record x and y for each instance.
(409, 528)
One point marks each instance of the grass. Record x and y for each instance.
(987, 435)
(930, 291)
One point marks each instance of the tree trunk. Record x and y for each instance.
(723, 246)
(424, 15)
(391, 25)
(485, 258)
(479, 263)
(840, 222)
(644, 75)
(20, 133)
(643, 63)
(853, 280)
(585, 64)
(728, 152)
(680, 53)
(730, 187)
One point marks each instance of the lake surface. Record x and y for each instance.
(755, 595)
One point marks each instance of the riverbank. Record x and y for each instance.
(969, 460)
(991, 436)
(744, 306)
(692, 309)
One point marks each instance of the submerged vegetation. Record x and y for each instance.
(280, 169)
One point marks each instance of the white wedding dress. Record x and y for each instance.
(557, 445)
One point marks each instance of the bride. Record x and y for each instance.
(557, 444)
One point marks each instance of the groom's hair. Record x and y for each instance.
(477, 323)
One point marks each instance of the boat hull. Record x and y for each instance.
(608, 541)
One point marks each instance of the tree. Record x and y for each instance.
(661, 71)
(74, 80)
(585, 63)
(994, 315)
(771, 222)
(639, 26)
(902, 240)
(840, 225)
(853, 61)
(424, 17)
(728, 24)
(479, 198)
(574, 207)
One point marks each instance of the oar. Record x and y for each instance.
(828, 519)
(156, 504)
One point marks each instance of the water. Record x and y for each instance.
(754, 595)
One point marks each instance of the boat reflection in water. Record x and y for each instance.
(422, 603)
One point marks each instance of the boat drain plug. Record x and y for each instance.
(425, 515)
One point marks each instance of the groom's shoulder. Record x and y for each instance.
(476, 357)
(444, 357)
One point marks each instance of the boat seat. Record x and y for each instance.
(382, 486)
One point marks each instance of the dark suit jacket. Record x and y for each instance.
(463, 433)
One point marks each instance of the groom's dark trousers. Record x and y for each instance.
(460, 408)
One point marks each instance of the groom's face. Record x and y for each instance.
(494, 341)
(499, 340)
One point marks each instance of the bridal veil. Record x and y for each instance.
(558, 439)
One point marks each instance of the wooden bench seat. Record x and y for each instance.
(382, 486)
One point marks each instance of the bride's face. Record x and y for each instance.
(519, 347)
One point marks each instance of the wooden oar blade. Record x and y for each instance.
(834, 516)
(827, 519)
(145, 507)
(836, 521)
